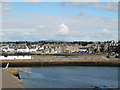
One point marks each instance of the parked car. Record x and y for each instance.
(117, 56)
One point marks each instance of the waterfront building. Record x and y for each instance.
(15, 57)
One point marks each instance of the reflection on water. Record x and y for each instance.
(70, 77)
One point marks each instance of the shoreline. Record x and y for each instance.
(60, 62)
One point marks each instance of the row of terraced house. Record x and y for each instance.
(61, 48)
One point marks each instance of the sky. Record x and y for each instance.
(59, 21)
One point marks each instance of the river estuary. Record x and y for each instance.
(69, 77)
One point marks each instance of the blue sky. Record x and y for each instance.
(56, 8)
(59, 21)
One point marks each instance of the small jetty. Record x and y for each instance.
(9, 80)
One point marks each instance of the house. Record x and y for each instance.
(33, 49)
(83, 49)
(113, 47)
(23, 49)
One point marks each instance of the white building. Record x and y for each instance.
(15, 57)
(23, 49)
(83, 49)
(33, 49)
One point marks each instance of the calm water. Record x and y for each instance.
(69, 77)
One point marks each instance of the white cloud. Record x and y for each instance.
(63, 29)
(5, 7)
(41, 26)
(105, 31)
(80, 3)
(77, 1)
(83, 12)
(2, 34)
(60, 0)
(33, 1)
(20, 0)
(74, 27)
(113, 6)
(26, 33)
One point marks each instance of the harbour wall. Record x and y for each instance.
(61, 62)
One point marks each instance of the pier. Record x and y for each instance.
(60, 62)
(10, 81)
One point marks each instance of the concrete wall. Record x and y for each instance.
(15, 57)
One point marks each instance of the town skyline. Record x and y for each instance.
(37, 41)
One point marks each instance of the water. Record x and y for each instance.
(69, 77)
